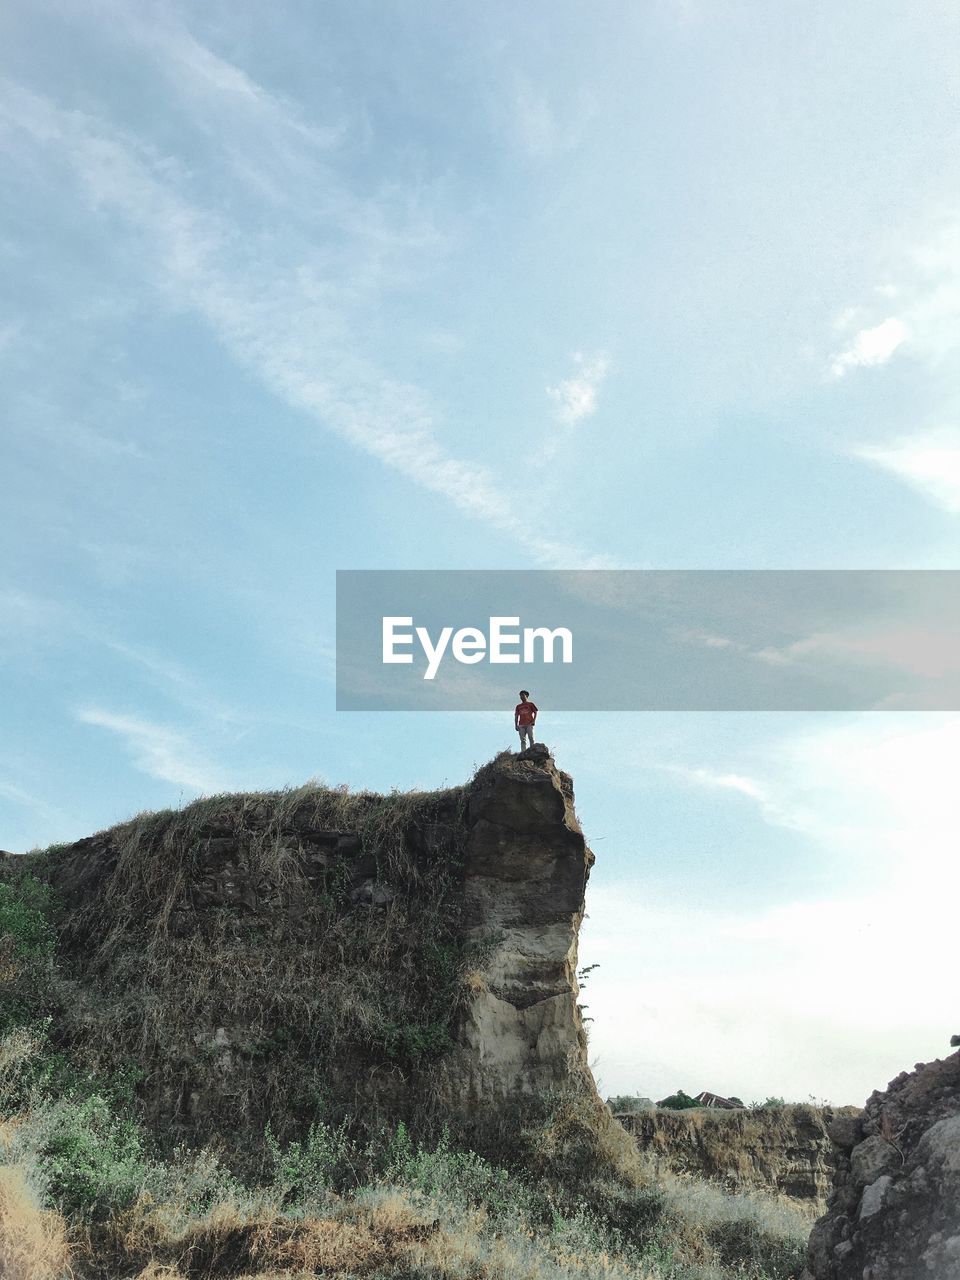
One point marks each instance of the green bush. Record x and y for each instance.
(90, 1160)
(303, 1172)
(25, 906)
(633, 1212)
(192, 1182)
(679, 1101)
(27, 942)
(445, 1171)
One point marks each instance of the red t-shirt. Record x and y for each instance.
(525, 711)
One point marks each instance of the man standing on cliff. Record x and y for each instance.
(524, 718)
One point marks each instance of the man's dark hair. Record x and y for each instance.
(524, 693)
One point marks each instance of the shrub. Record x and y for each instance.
(679, 1101)
(445, 1170)
(27, 943)
(191, 1183)
(303, 1172)
(628, 1102)
(90, 1160)
(25, 905)
(633, 1212)
(745, 1243)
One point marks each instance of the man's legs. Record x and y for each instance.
(526, 732)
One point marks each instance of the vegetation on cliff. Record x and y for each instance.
(115, 950)
(82, 1186)
(258, 907)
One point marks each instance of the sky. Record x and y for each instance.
(289, 288)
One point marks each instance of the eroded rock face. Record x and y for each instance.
(211, 947)
(525, 873)
(785, 1149)
(895, 1210)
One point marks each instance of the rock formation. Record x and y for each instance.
(525, 872)
(895, 1210)
(785, 1149)
(270, 957)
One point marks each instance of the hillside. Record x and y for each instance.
(313, 1032)
(320, 1033)
(275, 957)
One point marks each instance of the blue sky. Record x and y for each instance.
(291, 288)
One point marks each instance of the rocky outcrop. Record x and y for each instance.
(269, 957)
(895, 1211)
(525, 874)
(784, 1149)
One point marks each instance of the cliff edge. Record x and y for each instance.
(270, 957)
(784, 1149)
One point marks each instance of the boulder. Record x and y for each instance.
(895, 1210)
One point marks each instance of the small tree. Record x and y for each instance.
(679, 1101)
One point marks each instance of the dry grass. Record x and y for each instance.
(355, 1239)
(33, 1241)
(382, 1231)
(293, 992)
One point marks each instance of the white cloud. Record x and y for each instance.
(877, 788)
(280, 321)
(928, 461)
(925, 283)
(830, 994)
(160, 752)
(871, 347)
(802, 999)
(576, 397)
(751, 787)
(707, 639)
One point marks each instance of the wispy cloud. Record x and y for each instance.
(924, 286)
(927, 651)
(18, 795)
(542, 130)
(928, 461)
(282, 321)
(263, 135)
(28, 622)
(575, 397)
(871, 347)
(160, 752)
(877, 788)
(752, 788)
